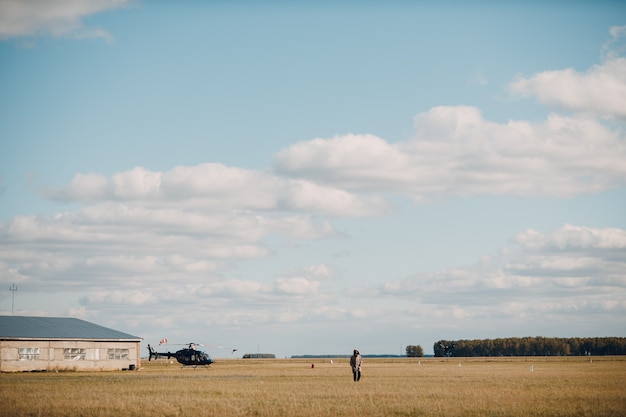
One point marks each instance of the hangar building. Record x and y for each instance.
(62, 343)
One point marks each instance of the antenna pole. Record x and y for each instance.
(13, 288)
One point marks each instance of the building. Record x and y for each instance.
(64, 344)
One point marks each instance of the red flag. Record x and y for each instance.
(162, 342)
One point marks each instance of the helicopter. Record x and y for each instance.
(188, 356)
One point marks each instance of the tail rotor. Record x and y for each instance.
(153, 353)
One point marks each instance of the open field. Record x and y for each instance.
(571, 386)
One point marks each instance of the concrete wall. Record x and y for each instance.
(53, 355)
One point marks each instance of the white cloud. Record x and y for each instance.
(119, 298)
(299, 286)
(456, 151)
(216, 187)
(546, 276)
(234, 289)
(600, 91)
(478, 79)
(574, 256)
(617, 31)
(616, 46)
(357, 162)
(318, 272)
(20, 18)
(305, 280)
(573, 238)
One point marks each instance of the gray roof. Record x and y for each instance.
(19, 327)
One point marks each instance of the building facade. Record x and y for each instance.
(64, 344)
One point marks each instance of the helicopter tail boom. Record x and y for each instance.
(156, 355)
(152, 353)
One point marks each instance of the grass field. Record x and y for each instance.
(291, 387)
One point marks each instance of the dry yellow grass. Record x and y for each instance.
(283, 387)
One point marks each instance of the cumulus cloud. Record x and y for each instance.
(600, 91)
(214, 186)
(540, 274)
(305, 280)
(129, 252)
(456, 152)
(190, 223)
(318, 272)
(19, 18)
(119, 243)
(573, 238)
(298, 286)
(234, 289)
(353, 161)
(574, 256)
(616, 45)
(119, 297)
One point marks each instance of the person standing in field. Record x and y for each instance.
(355, 363)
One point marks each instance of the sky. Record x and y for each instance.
(309, 178)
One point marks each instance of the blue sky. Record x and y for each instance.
(308, 178)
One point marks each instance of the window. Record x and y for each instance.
(28, 354)
(74, 354)
(118, 353)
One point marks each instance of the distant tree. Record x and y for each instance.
(444, 348)
(414, 351)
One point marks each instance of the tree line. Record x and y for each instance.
(532, 346)
(259, 356)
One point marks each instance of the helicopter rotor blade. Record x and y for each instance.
(233, 350)
(194, 345)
